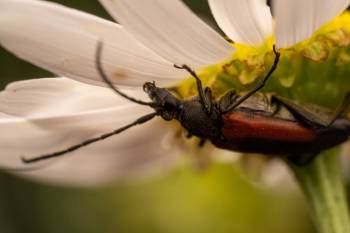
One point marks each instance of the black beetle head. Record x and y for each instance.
(166, 104)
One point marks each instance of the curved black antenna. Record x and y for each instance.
(105, 78)
(260, 85)
(141, 120)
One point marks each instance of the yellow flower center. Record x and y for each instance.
(316, 70)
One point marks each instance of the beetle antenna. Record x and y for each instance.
(260, 85)
(102, 73)
(139, 121)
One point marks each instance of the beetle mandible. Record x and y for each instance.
(249, 123)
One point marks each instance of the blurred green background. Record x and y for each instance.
(222, 198)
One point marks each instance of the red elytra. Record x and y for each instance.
(245, 126)
(252, 131)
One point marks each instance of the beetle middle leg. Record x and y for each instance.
(260, 84)
(205, 95)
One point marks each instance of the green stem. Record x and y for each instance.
(324, 188)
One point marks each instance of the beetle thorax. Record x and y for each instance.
(197, 121)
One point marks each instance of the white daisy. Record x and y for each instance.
(45, 115)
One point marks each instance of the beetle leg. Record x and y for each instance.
(208, 98)
(277, 106)
(227, 99)
(189, 135)
(260, 85)
(202, 141)
(301, 113)
(311, 118)
(341, 109)
(302, 160)
(203, 95)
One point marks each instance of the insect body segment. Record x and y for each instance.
(251, 122)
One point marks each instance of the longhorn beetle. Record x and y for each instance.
(250, 123)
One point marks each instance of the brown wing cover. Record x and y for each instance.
(258, 133)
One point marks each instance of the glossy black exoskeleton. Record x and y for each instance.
(250, 123)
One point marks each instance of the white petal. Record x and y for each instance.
(64, 41)
(297, 20)
(47, 115)
(169, 28)
(244, 21)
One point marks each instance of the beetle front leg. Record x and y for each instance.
(204, 95)
(209, 99)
